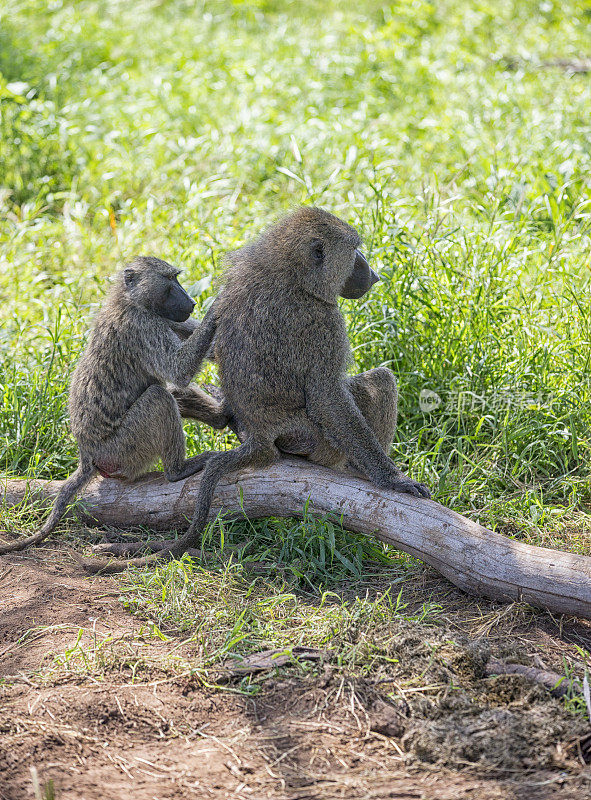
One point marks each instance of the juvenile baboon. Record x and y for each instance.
(121, 413)
(282, 349)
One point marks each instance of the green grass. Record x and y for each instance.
(182, 129)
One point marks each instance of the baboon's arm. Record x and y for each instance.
(193, 351)
(331, 405)
(184, 329)
(177, 361)
(194, 403)
(333, 408)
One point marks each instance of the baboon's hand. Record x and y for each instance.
(409, 486)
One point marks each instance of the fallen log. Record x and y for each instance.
(475, 559)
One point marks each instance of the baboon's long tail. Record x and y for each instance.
(74, 483)
(251, 453)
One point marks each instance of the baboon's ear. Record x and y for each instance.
(129, 276)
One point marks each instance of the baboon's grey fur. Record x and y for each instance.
(281, 346)
(121, 413)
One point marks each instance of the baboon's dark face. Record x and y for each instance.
(361, 279)
(159, 291)
(174, 304)
(338, 268)
(327, 249)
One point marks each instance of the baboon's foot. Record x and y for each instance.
(410, 487)
(191, 467)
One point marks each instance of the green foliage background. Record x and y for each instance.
(446, 131)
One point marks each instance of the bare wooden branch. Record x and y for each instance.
(472, 557)
(557, 685)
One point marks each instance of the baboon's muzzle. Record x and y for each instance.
(360, 280)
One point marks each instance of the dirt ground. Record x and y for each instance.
(141, 732)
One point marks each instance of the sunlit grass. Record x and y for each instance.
(182, 129)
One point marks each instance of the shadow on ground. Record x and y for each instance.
(98, 707)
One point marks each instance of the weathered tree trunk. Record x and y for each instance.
(470, 556)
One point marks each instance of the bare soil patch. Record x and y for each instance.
(143, 729)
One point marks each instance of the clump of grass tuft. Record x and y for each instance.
(222, 611)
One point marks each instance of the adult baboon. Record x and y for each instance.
(121, 413)
(282, 349)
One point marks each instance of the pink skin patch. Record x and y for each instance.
(109, 469)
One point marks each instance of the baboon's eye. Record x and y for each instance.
(129, 276)
(318, 253)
